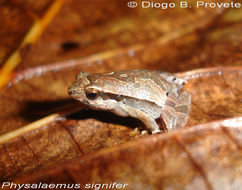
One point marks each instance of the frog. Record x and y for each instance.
(154, 97)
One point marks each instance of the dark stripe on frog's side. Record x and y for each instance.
(154, 110)
(134, 102)
(107, 96)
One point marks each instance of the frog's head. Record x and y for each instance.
(87, 91)
(76, 90)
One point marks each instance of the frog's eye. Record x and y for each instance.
(92, 93)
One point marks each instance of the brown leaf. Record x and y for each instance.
(11, 32)
(58, 137)
(216, 93)
(129, 36)
(11, 15)
(208, 156)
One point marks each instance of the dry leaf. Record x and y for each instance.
(207, 156)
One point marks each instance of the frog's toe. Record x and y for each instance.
(156, 131)
(144, 132)
(136, 129)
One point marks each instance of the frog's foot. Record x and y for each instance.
(176, 110)
(136, 129)
(156, 131)
(144, 132)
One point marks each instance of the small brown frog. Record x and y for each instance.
(147, 95)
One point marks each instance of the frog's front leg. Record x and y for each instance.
(148, 121)
(176, 110)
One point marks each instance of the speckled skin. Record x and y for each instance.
(143, 94)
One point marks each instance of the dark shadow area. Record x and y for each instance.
(107, 117)
(69, 45)
(33, 111)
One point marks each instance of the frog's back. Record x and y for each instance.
(141, 84)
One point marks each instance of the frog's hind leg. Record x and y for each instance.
(168, 115)
(183, 107)
(176, 110)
